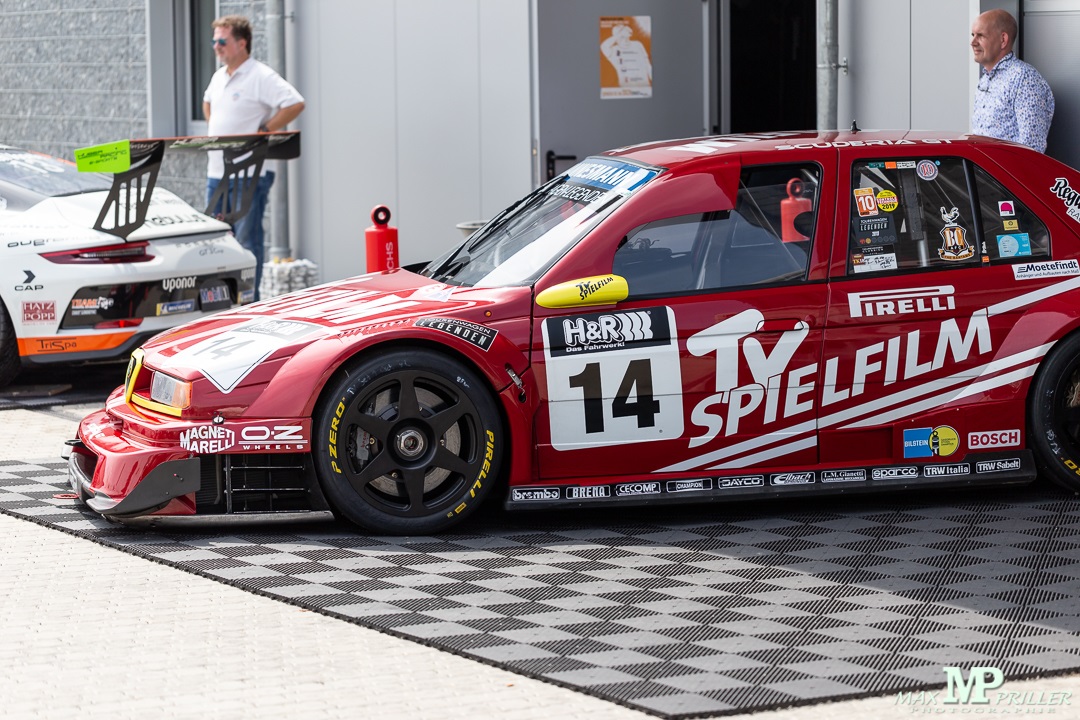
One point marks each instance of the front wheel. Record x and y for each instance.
(408, 442)
(1054, 409)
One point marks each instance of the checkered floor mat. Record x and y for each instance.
(693, 611)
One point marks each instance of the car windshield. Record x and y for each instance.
(46, 175)
(523, 241)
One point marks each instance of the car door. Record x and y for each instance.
(920, 312)
(709, 367)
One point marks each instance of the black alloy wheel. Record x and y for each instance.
(1054, 412)
(407, 442)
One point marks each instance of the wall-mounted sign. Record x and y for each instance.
(626, 57)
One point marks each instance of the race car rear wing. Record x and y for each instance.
(134, 165)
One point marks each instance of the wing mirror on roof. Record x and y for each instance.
(595, 290)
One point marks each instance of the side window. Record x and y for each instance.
(1010, 230)
(911, 215)
(765, 240)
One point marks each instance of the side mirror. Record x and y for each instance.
(596, 290)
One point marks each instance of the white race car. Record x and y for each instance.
(93, 264)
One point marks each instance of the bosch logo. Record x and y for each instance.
(892, 473)
(624, 327)
(181, 283)
(994, 439)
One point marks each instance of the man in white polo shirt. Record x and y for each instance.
(245, 96)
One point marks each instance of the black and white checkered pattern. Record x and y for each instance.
(678, 611)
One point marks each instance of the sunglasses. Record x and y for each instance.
(219, 42)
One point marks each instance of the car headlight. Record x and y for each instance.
(169, 391)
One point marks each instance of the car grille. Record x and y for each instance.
(258, 483)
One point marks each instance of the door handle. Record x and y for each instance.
(551, 158)
(781, 325)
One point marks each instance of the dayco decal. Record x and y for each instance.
(836, 476)
(675, 486)
(875, 303)
(530, 494)
(992, 466)
(207, 439)
(774, 391)
(1071, 198)
(180, 283)
(738, 482)
(587, 492)
(640, 488)
(946, 470)
(471, 333)
(793, 478)
(893, 473)
(993, 439)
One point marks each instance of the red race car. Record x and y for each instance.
(687, 321)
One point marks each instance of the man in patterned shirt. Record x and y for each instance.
(1013, 101)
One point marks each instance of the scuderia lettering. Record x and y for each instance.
(775, 391)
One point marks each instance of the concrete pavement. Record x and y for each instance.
(90, 631)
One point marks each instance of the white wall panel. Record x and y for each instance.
(941, 63)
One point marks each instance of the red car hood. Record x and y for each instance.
(346, 308)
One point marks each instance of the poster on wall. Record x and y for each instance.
(626, 57)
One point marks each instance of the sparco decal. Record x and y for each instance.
(994, 439)
(587, 492)
(946, 470)
(639, 488)
(993, 466)
(676, 486)
(876, 303)
(207, 439)
(1070, 197)
(532, 494)
(471, 333)
(894, 473)
(794, 478)
(740, 482)
(178, 283)
(839, 476)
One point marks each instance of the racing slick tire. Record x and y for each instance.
(1054, 410)
(9, 349)
(407, 442)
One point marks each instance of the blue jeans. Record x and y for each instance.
(249, 229)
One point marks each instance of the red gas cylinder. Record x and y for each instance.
(382, 242)
(794, 204)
